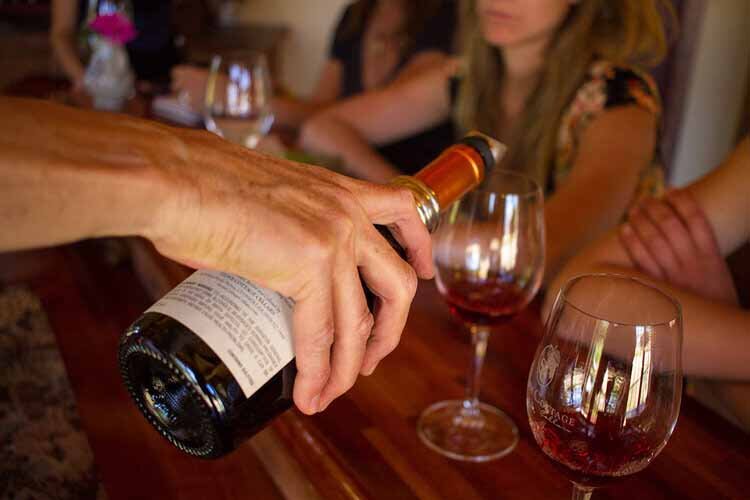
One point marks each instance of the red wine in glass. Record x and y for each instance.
(491, 301)
(595, 455)
(605, 385)
(489, 258)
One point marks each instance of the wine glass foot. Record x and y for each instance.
(479, 435)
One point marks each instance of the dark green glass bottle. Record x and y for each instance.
(210, 364)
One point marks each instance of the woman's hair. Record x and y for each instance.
(624, 32)
(416, 14)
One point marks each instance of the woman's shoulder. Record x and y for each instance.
(606, 86)
(609, 85)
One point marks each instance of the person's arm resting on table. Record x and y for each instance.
(679, 244)
(348, 129)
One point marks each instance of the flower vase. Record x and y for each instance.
(109, 78)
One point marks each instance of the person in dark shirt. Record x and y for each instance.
(376, 40)
(152, 53)
(430, 28)
(375, 43)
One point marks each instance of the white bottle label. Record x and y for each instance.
(248, 327)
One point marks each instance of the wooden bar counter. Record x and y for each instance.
(364, 446)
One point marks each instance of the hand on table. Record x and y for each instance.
(672, 240)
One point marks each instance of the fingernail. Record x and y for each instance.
(324, 407)
(315, 404)
(369, 371)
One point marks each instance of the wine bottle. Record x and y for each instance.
(211, 363)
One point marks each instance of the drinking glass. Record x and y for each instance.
(108, 7)
(605, 386)
(489, 257)
(238, 98)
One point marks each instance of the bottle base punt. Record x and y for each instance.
(169, 401)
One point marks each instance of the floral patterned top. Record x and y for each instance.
(608, 86)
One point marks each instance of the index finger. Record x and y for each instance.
(395, 207)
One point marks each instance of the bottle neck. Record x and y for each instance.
(458, 170)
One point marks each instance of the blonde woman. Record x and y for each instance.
(558, 80)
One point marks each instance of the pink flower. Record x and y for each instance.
(116, 27)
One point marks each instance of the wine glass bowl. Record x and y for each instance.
(489, 258)
(489, 253)
(238, 98)
(604, 389)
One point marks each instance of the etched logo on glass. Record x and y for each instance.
(548, 362)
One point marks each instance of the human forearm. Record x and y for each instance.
(613, 152)
(716, 334)
(67, 56)
(65, 177)
(62, 38)
(722, 196)
(292, 112)
(302, 231)
(572, 224)
(328, 135)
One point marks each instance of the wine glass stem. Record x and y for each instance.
(581, 493)
(479, 337)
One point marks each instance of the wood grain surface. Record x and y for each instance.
(365, 445)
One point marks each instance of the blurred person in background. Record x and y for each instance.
(152, 53)
(679, 243)
(560, 81)
(375, 43)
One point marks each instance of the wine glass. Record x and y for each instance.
(238, 98)
(489, 257)
(108, 7)
(605, 386)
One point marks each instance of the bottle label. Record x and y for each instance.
(248, 327)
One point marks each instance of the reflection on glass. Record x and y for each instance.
(489, 256)
(238, 98)
(605, 387)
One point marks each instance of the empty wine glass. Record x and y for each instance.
(108, 7)
(489, 258)
(238, 98)
(605, 386)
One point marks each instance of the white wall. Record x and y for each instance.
(311, 23)
(717, 91)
